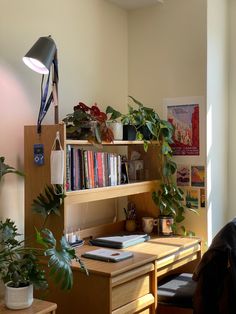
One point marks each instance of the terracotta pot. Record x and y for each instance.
(130, 225)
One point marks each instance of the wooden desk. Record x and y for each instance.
(129, 286)
(38, 307)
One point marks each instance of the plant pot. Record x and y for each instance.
(165, 225)
(18, 298)
(130, 225)
(129, 133)
(84, 131)
(117, 129)
(147, 135)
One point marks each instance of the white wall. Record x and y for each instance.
(217, 114)
(91, 36)
(232, 111)
(167, 59)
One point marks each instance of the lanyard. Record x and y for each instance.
(45, 103)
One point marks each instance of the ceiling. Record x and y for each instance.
(135, 4)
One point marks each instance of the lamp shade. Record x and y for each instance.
(39, 58)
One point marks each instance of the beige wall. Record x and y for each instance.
(166, 51)
(91, 36)
(167, 62)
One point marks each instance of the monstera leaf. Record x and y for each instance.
(59, 258)
(49, 202)
(5, 169)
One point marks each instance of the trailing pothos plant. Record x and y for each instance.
(169, 197)
(20, 259)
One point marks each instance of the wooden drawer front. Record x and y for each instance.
(130, 291)
(147, 311)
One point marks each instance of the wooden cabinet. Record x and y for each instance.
(36, 177)
(129, 286)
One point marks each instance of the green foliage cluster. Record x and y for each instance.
(169, 197)
(20, 260)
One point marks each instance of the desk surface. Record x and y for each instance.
(157, 248)
(128, 286)
(38, 307)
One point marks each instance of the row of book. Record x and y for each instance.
(87, 169)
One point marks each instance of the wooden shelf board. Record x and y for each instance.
(84, 142)
(90, 195)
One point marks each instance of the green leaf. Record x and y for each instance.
(136, 101)
(6, 169)
(50, 202)
(114, 113)
(60, 260)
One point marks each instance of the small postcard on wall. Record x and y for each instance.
(183, 175)
(198, 176)
(184, 116)
(202, 198)
(192, 198)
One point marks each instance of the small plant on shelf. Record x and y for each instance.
(88, 123)
(130, 216)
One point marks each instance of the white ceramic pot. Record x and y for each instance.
(18, 298)
(117, 129)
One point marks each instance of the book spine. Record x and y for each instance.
(100, 169)
(86, 175)
(68, 168)
(72, 168)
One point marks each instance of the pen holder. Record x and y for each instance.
(130, 225)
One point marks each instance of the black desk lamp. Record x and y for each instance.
(40, 58)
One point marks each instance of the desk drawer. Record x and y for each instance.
(131, 290)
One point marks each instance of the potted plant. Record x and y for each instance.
(130, 218)
(20, 260)
(140, 123)
(88, 123)
(114, 123)
(169, 198)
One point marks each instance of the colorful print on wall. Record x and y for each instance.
(185, 119)
(192, 198)
(198, 176)
(202, 198)
(183, 175)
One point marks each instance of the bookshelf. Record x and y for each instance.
(36, 177)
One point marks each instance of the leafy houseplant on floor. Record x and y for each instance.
(20, 267)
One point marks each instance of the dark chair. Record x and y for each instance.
(211, 289)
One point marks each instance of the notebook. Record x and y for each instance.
(120, 241)
(107, 255)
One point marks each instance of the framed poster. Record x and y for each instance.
(185, 119)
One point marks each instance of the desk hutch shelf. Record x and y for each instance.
(36, 177)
